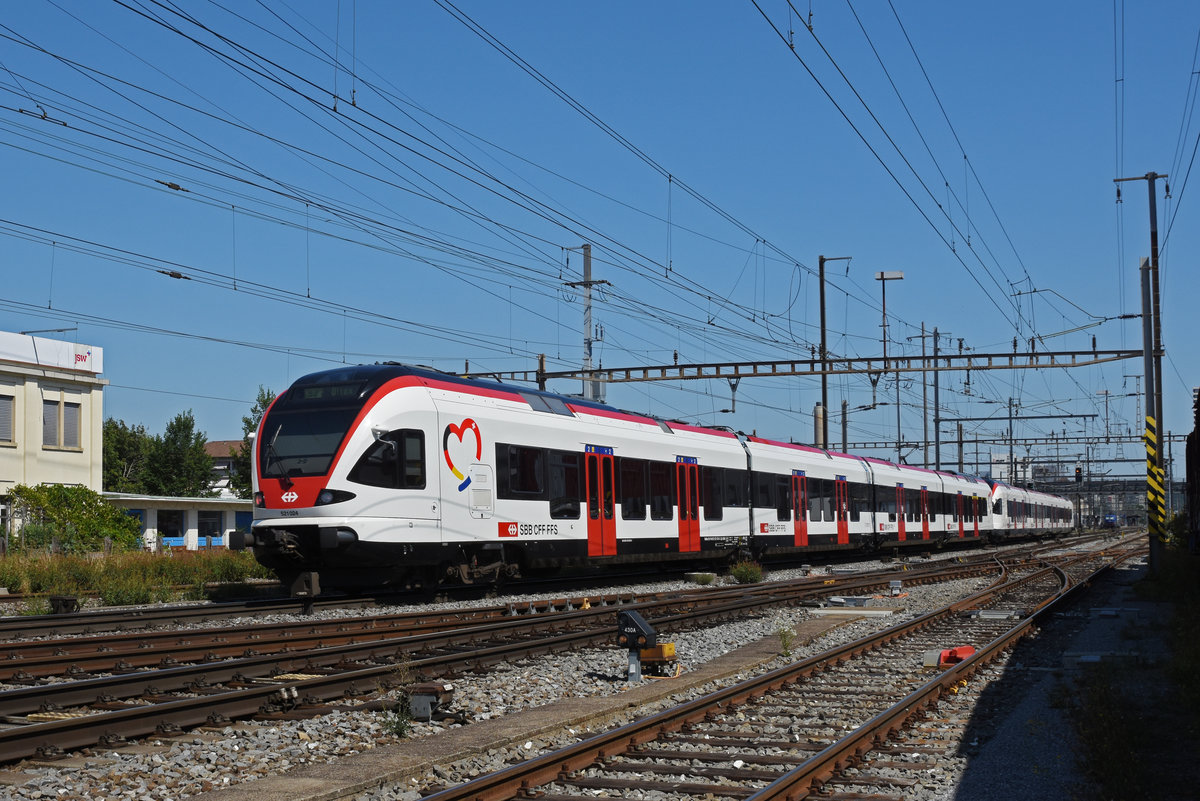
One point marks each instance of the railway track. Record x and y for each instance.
(52, 718)
(39, 661)
(859, 721)
(22, 627)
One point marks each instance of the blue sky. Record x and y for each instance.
(431, 217)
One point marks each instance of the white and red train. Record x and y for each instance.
(395, 475)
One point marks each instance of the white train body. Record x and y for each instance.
(389, 474)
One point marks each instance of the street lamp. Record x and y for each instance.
(883, 278)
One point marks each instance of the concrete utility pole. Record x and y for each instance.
(925, 392)
(924, 405)
(824, 350)
(883, 278)
(1012, 465)
(589, 384)
(592, 387)
(937, 408)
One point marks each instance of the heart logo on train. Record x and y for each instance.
(458, 429)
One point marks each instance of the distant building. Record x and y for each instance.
(221, 452)
(52, 432)
(191, 523)
(51, 413)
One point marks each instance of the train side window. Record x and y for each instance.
(764, 490)
(998, 507)
(712, 484)
(735, 487)
(886, 502)
(814, 499)
(783, 497)
(412, 450)
(633, 498)
(912, 504)
(860, 500)
(394, 461)
(566, 484)
(520, 472)
(662, 491)
(820, 499)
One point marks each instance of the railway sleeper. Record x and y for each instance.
(872, 780)
(739, 739)
(626, 785)
(706, 756)
(659, 769)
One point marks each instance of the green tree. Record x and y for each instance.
(177, 465)
(78, 517)
(239, 480)
(126, 451)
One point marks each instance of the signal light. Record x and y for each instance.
(1078, 475)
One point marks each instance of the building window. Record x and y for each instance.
(171, 530)
(8, 405)
(60, 424)
(209, 530)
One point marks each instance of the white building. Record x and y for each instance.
(52, 432)
(51, 412)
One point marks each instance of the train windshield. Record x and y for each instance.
(305, 428)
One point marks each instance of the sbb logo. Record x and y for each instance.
(507, 529)
(289, 497)
(762, 528)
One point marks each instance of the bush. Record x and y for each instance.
(747, 572)
(80, 518)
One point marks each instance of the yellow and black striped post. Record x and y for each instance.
(1155, 486)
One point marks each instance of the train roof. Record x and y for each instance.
(374, 376)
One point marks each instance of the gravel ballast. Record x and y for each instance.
(282, 759)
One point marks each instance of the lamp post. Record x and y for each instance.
(883, 278)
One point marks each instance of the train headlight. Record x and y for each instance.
(259, 500)
(328, 496)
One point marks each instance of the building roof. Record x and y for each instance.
(220, 448)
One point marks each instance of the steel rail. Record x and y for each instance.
(808, 777)
(59, 735)
(123, 653)
(509, 782)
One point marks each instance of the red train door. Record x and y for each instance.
(841, 503)
(924, 513)
(975, 513)
(958, 505)
(601, 521)
(901, 513)
(799, 508)
(687, 483)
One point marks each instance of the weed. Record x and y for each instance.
(1060, 696)
(398, 720)
(37, 605)
(117, 589)
(787, 636)
(747, 572)
(129, 577)
(1105, 731)
(703, 579)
